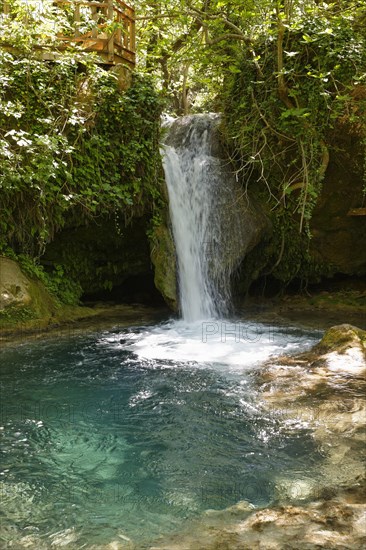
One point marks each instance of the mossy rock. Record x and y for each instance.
(342, 337)
(22, 298)
(14, 285)
(164, 260)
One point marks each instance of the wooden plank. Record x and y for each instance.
(124, 6)
(133, 36)
(357, 212)
(81, 3)
(77, 19)
(110, 15)
(112, 48)
(118, 36)
(95, 17)
(110, 10)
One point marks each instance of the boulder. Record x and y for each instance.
(22, 298)
(341, 338)
(14, 285)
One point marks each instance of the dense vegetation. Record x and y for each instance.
(283, 112)
(288, 75)
(73, 147)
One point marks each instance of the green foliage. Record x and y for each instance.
(72, 146)
(33, 22)
(14, 315)
(281, 109)
(62, 287)
(189, 46)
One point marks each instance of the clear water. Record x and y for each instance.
(134, 432)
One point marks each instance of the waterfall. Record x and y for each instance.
(198, 201)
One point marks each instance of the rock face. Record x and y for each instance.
(337, 244)
(14, 285)
(164, 260)
(339, 239)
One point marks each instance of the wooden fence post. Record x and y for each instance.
(110, 15)
(95, 16)
(77, 19)
(132, 31)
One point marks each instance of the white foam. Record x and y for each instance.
(237, 345)
(352, 360)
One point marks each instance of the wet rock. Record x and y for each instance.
(342, 349)
(164, 261)
(324, 390)
(333, 524)
(342, 337)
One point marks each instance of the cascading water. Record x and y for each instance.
(198, 198)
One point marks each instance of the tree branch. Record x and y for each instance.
(229, 36)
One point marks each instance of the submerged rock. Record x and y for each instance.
(332, 524)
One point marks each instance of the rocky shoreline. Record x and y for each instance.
(324, 388)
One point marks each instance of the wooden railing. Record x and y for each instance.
(113, 36)
(113, 32)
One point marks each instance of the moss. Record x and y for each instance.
(164, 260)
(72, 320)
(42, 306)
(14, 315)
(342, 337)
